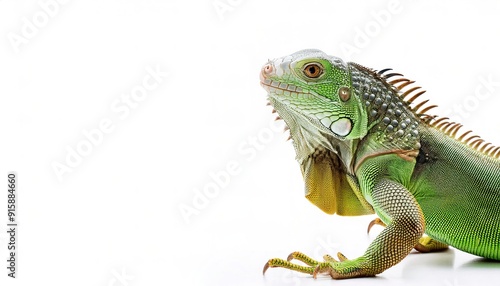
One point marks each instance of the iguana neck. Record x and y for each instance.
(309, 137)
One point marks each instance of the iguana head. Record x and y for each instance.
(312, 93)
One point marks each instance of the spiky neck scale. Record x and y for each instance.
(391, 121)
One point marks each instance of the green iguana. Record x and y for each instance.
(365, 147)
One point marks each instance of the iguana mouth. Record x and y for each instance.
(280, 88)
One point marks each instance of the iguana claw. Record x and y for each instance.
(266, 266)
(323, 267)
(376, 221)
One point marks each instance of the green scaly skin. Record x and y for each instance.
(363, 149)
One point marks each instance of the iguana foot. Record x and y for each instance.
(341, 269)
(427, 244)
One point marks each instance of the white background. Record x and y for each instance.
(114, 216)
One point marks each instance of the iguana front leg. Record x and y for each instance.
(406, 226)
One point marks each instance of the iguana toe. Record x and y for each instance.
(278, 262)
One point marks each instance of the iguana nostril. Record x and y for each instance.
(267, 69)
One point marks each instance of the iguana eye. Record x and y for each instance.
(313, 70)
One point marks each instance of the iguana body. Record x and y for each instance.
(363, 147)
